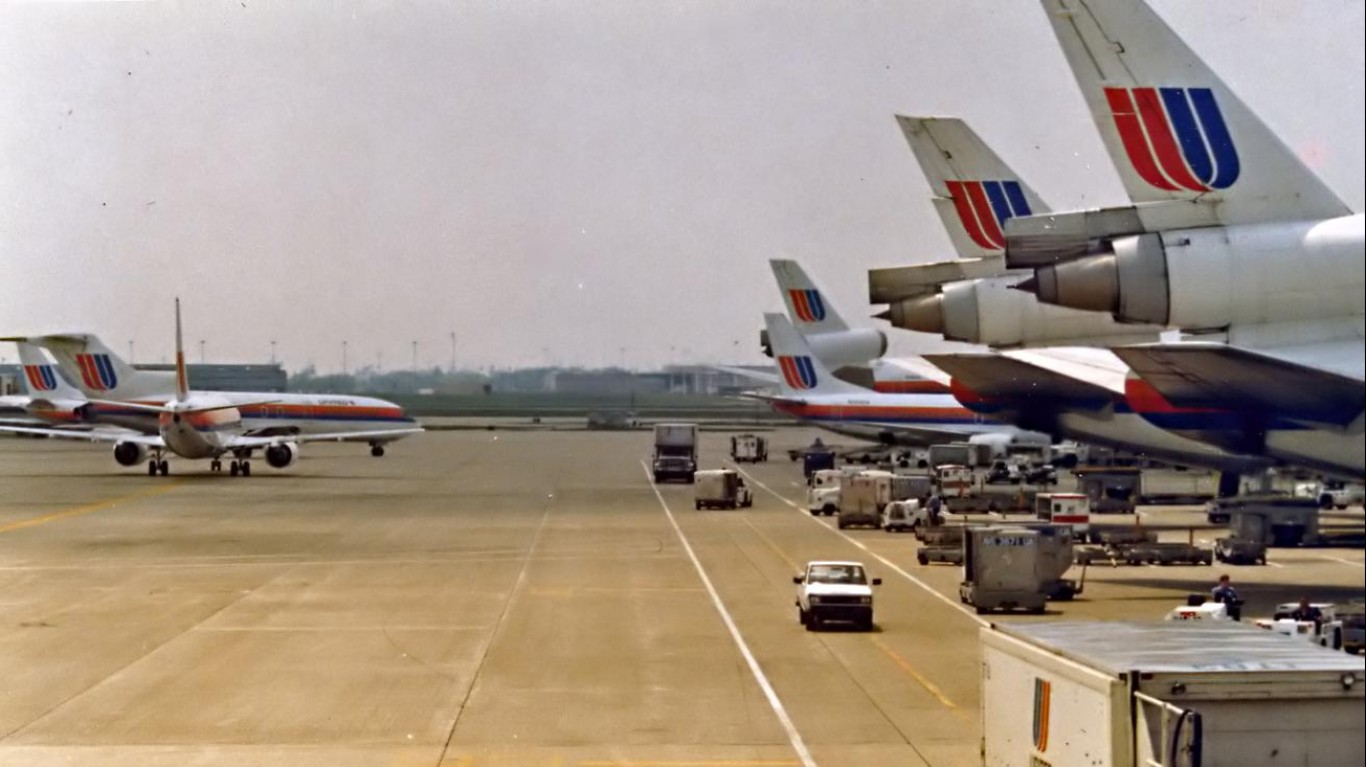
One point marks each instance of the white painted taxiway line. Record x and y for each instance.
(793, 737)
(1353, 563)
(889, 563)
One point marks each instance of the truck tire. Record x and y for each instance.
(802, 617)
(841, 524)
(866, 624)
(697, 505)
(812, 622)
(983, 610)
(922, 559)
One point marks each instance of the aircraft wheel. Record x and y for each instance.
(246, 468)
(163, 467)
(151, 468)
(234, 468)
(377, 450)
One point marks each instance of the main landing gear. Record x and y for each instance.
(158, 465)
(376, 449)
(236, 467)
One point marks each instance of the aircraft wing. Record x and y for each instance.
(95, 435)
(249, 442)
(993, 376)
(1206, 375)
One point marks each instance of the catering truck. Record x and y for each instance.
(1166, 694)
(675, 451)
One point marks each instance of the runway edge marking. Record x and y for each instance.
(889, 563)
(793, 737)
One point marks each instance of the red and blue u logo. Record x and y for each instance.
(1176, 138)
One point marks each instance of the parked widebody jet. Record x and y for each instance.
(1230, 239)
(810, 392)
(48, 398)
(197, 425)
(1071, 392)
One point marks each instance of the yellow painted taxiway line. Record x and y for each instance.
(89, 508)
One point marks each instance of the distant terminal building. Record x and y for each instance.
(262, 378)
(207, 377)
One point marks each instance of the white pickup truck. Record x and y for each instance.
(835, 591)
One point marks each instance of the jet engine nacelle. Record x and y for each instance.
(1211, 278)
(129, 453)
(987, 311)
(282, 455)
(844, 348)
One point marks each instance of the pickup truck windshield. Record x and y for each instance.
(836, 574)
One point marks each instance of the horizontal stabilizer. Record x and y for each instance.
(1204, 375)
(887, 286)
(1033, 241)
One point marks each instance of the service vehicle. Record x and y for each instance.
(675, 454)
(1325, 632)
(1340, 495)
(823, 492)
(900, 516)
(1353, 617)
(862, 496)
(1005, 473)
(954, 481)
(835, 591)
(1013, 567)
(1071, 509)
(721, 489)
(1239, 551)
(748, 448)
(959, 454)
(1166, 694)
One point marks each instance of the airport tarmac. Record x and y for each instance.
(490, 599)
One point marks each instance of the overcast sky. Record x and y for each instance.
(554, 182)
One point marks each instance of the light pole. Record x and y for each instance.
(272, 352)
(452, 352)
(415, 356)
(201, 351)
(343, 356)
(130, 351)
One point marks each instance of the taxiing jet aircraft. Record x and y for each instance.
(213, 424)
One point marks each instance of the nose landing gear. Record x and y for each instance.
(376, 449)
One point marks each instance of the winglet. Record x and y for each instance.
(182, 381)
(1173, 129)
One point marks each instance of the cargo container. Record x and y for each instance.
(1167, 694)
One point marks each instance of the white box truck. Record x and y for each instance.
(862, 497)
(675, 451)
(1179, 694)
(720, 489)
(748, 448)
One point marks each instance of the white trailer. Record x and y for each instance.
(1167, 694)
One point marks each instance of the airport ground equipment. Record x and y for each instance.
(1275, 520)
(940, 555)
(862, 497)
(1339, 495)
(1325, 632)
(675, 451)
(1166, 694)
(748, 448)
(1070, 509)
(830, 591)
(1167, 553)
(1011, 567)
(900, 516)
(823, 492)
(1112, 489)
(1353, 617)
(720, 489)
(959, 453)
(1239, 551)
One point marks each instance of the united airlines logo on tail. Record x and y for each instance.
(808, 305)
(798, 372)
(40, 377)
(1043, 701)
(97, 371)
(1176, 138)
(985, 206)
